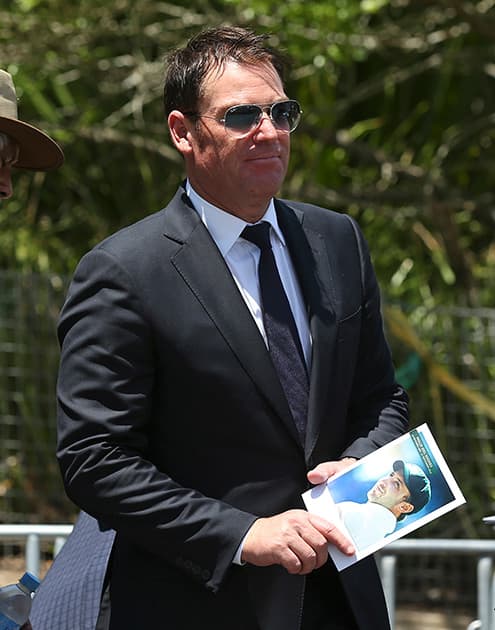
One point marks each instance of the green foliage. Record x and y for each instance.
(398, 129)
(398, 126)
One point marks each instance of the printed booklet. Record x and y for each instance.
(387, 494)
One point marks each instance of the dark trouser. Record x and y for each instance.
(325, 602)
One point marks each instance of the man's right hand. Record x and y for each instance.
(295, 539)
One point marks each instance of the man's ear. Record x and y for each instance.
(405, 507)
(179, 131)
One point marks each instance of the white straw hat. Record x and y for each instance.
(37, 151)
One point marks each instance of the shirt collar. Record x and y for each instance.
(225, 228)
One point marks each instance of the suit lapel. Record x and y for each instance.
(308, 253)
(205, 272)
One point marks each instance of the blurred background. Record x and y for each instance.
(398, 130)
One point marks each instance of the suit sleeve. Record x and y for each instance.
(378, 405)
(105, 391)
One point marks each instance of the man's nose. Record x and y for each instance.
(266, 126)
(5, 182)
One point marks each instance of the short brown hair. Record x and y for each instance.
(211, 49)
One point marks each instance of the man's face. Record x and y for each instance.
(389, 491)
(239, 175)
(5, 181)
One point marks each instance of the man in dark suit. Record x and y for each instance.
(211, 372)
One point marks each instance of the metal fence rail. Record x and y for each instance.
(483, 550)
(30, 536)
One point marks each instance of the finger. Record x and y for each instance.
(332, 534)
(310, 545)
(321, 553)
(291, 562)
(314, 558)
(325, 470)
(307, 556)
(318, 475)
(321, 473)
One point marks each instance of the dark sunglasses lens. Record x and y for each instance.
(286, 115)
(242, 118)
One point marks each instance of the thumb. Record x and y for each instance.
(320, 474)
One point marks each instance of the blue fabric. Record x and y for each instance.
(70, 594)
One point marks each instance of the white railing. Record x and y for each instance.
(484, 550)
(31, 536)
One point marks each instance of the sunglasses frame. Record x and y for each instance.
(258, 117)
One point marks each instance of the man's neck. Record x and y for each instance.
(250, 210)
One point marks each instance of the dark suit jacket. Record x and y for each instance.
(173, 426)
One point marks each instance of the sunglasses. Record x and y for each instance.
(241, 120)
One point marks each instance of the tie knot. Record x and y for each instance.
(258, 234)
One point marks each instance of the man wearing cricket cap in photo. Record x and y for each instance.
(405, 490)
(21, 146)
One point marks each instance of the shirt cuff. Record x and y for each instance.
(238, 553)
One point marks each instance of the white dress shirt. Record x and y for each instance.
(242, 258)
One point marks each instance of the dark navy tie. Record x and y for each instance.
(283, 339)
